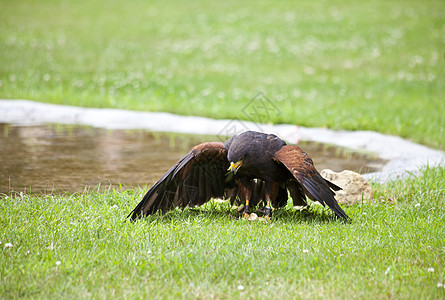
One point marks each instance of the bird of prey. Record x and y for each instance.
(249, 167)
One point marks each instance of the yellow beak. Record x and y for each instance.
(235, 166)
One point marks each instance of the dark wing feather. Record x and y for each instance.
(296, 191)
(315, 187)
(196, 178)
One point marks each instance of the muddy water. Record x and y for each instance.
(63, 158)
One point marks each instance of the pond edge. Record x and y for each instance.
(404, 157)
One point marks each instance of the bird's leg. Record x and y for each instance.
(268, 209)
(246, 214)
(245, 188)
(271, 194)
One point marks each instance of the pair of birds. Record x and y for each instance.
(248, 168)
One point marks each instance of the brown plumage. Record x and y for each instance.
(263, 168)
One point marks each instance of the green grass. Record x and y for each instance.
(377, 65)
(386, 252)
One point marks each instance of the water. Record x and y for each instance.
(65, 158)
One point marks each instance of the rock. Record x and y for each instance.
(355, 188)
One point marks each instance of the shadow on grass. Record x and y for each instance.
(307, 215)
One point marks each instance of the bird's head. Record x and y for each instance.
(238, 148)
(234, 166)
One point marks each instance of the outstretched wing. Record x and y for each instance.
(193, 180)
(315, 187)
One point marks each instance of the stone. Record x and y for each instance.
(355, 188)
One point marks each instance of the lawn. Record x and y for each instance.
(78, 246)
(377, 65)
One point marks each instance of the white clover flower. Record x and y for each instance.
(8, 245)
(58, 263)
(417, 205)
(240, 287)
(305, 251)
(439, 284)
(431, 269)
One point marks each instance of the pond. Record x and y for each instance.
(71, 158)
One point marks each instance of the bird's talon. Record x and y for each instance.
(265, 219)
(246, 212)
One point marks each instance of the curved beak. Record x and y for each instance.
(235, 166)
